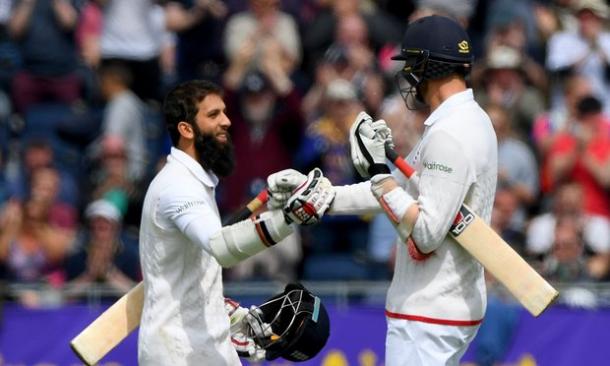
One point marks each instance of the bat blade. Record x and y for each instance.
(506, 265)
(110, 328)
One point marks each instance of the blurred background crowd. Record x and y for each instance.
(81, 134)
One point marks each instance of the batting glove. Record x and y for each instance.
(310, 201)
(245, 329)
(280, 186)
(368, 145)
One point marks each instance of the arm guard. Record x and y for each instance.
(244, 239)
(398, 205)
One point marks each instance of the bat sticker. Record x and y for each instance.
(461, 222)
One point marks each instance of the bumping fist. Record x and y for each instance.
(367, 143)
(280, 186)
(311, 199)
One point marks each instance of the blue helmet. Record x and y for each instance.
(433, 47)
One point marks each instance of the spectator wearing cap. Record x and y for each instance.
(326, 145)
(585, 52)
(264, 108)
(101, 256)
(504, 83)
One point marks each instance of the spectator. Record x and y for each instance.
(111, 173)
(264, 108)
(101, 255)
(124, 118)
(566, 261)
(197, 22)
(506, 85)
(326, 145)
(568, 202)
(554, 17)
(556, 120)
(262, 24)
(44, 31)
(34, 238)
(349, 57)
(37, 155)
(582, 154)
(505, 206)
(133, 34)
(517, 167)
(330, 26)
(589, 50)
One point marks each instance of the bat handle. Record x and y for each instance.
(252, 206)
(399, 162)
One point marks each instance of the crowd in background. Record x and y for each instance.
(81, 133)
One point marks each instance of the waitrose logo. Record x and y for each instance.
(437, 166)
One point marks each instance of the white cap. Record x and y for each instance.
(597, 7)
(103, 208)
(503, 57)
(340, 89)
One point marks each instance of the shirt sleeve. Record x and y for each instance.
(192, 215)
(445, 179)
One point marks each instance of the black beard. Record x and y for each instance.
(214, 155)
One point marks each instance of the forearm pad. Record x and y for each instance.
(396, 203)
(244, 239)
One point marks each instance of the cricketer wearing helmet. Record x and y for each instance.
(437, 298)
(183, 245)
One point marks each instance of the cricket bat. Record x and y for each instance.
(484, 244)
(113, 325)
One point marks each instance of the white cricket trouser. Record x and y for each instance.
(414, 343)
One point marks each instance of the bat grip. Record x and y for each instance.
(399, 162)
(252, 206)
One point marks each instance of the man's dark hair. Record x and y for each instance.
(589, 105)
(117, 70)
(181, 104)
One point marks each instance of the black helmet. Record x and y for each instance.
(433, 47)
(299, 322)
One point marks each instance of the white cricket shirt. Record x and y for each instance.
(183, 321)
(456, 161)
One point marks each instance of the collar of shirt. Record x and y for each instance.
(446, 106)
(207, 178)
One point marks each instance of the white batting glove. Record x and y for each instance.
(368, 145)
(280, 186)
(381, 128)
(247, 326)
(310, 201)
(247, 348)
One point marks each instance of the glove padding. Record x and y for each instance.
(280, 186)
(367, 143)
(245, 329)
(310, 201)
